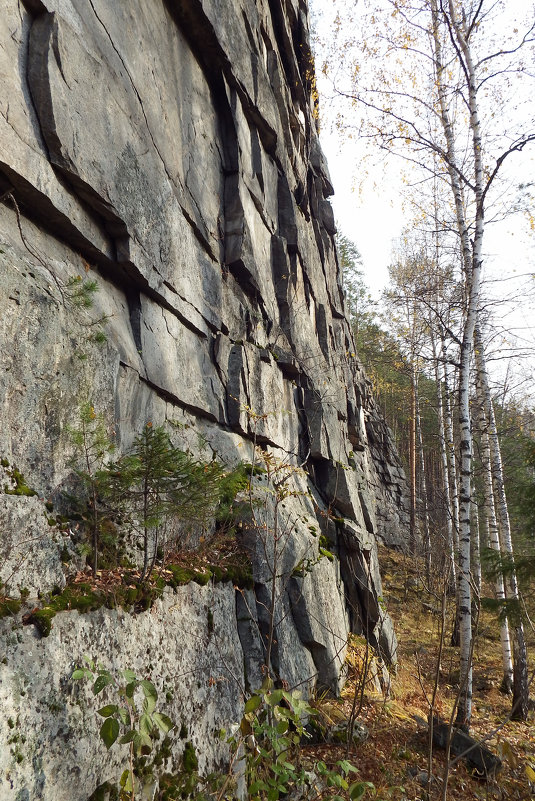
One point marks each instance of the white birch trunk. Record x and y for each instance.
(450, 548)
(412, 461)
(471, 248)
(492, 528)
(452, 461)
(520, 661)
(426, 536)
(475, 557)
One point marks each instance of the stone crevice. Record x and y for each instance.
(212, 244)
(127, 71)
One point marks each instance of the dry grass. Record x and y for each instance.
(396, 753)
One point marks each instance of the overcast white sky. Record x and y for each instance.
(368, 207)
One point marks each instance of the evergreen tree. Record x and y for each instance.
(156, 483)
(93, 447)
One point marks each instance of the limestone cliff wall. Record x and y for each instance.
(168, 149)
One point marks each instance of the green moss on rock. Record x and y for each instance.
(190, 763)
(18, 483)
(9, 606)
(241, 575)
(184, 575)
(79, 597)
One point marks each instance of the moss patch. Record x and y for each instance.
(184, 575)
(240, 574)
(190, 763)
(18, 485)
(231, 485)
(79, 597)
(9, 606)
(84, 598)
(121, 587)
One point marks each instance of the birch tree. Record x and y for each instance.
(448, 470)
(492, 536)
(502, 536)
(433, 83)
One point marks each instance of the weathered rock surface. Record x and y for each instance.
(49, 723)
(169, 151)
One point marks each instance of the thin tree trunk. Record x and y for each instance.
(445, 470)
(476, 547)
(454, 490)
(145, 531)
(491, 525)
(412, 461)
(452, 461)
(520, 661)
(423, 489)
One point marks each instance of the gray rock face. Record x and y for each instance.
(168, 150)
(49, 725)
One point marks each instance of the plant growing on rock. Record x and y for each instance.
(135, 715)
(79, 294)
(155, 483)
(93, 447)
(17, 483)
(142, 491)
(270, 736)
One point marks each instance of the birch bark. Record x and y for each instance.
(471, 249)
(491, 525)
(520, 660)
(450, 547)
(426, 532)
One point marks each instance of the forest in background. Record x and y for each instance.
(402, 345)
(407, 342)
(442, 89)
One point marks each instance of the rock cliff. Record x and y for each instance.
(168, 150)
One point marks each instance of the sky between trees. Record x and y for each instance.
(439, 93)
(371, 192)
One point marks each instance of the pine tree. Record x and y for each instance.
(156, 483)
(93, 447)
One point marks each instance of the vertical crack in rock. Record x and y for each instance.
(134, 311)
(35, 8)
(45, 49)
(182, 157)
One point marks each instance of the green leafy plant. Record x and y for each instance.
(270, 735)
(134, 714)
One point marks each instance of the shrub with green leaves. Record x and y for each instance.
(132, 720)
(266, 747)
(271, 734)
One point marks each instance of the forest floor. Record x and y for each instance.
(395, 755)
